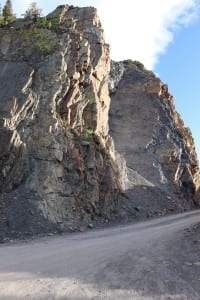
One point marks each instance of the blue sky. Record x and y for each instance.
(180, 68)
(164, 35)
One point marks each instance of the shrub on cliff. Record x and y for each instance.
(43, 23)
(130, 63)
(34, 13)
(39, 39)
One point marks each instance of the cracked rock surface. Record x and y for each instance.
(61, 167)
(160, 167)
(56, 157)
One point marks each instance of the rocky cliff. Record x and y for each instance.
(160, 166)
(56, 157)
(61, 169)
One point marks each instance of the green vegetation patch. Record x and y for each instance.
(6, 38)
(131, 63)
(43, 23)
(66, 125)
(40, 39)
(55, 22)
(87, 135)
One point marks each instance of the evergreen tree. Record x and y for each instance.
(33, 12)
(1, 16)
(8, 15)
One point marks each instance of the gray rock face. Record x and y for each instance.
(56, 163)
(59, 169)
(150, 137)
(116, 73)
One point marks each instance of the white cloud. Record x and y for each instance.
(142, 29)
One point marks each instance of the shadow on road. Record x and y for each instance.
(151, 260)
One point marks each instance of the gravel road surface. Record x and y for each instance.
(148, 260)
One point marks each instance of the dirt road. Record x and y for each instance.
(147, 260)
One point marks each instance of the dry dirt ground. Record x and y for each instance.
(154, 259)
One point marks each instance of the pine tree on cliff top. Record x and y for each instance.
(33, 12)
(1, 16)
(8, 15)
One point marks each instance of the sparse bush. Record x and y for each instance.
(55, 22)
(43, 23)
(54, 19)
(87, 135)
(41, 39)
(66, 125)
(139, 65)
(131, 63)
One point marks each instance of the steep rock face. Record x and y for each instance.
(161, 163)
(59, 169)
(56, 158)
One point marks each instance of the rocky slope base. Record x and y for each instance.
(59, 167)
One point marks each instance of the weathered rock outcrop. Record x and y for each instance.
(58, 166)
(151, 138)
(56, 158)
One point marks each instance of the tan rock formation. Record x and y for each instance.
(154, 87)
